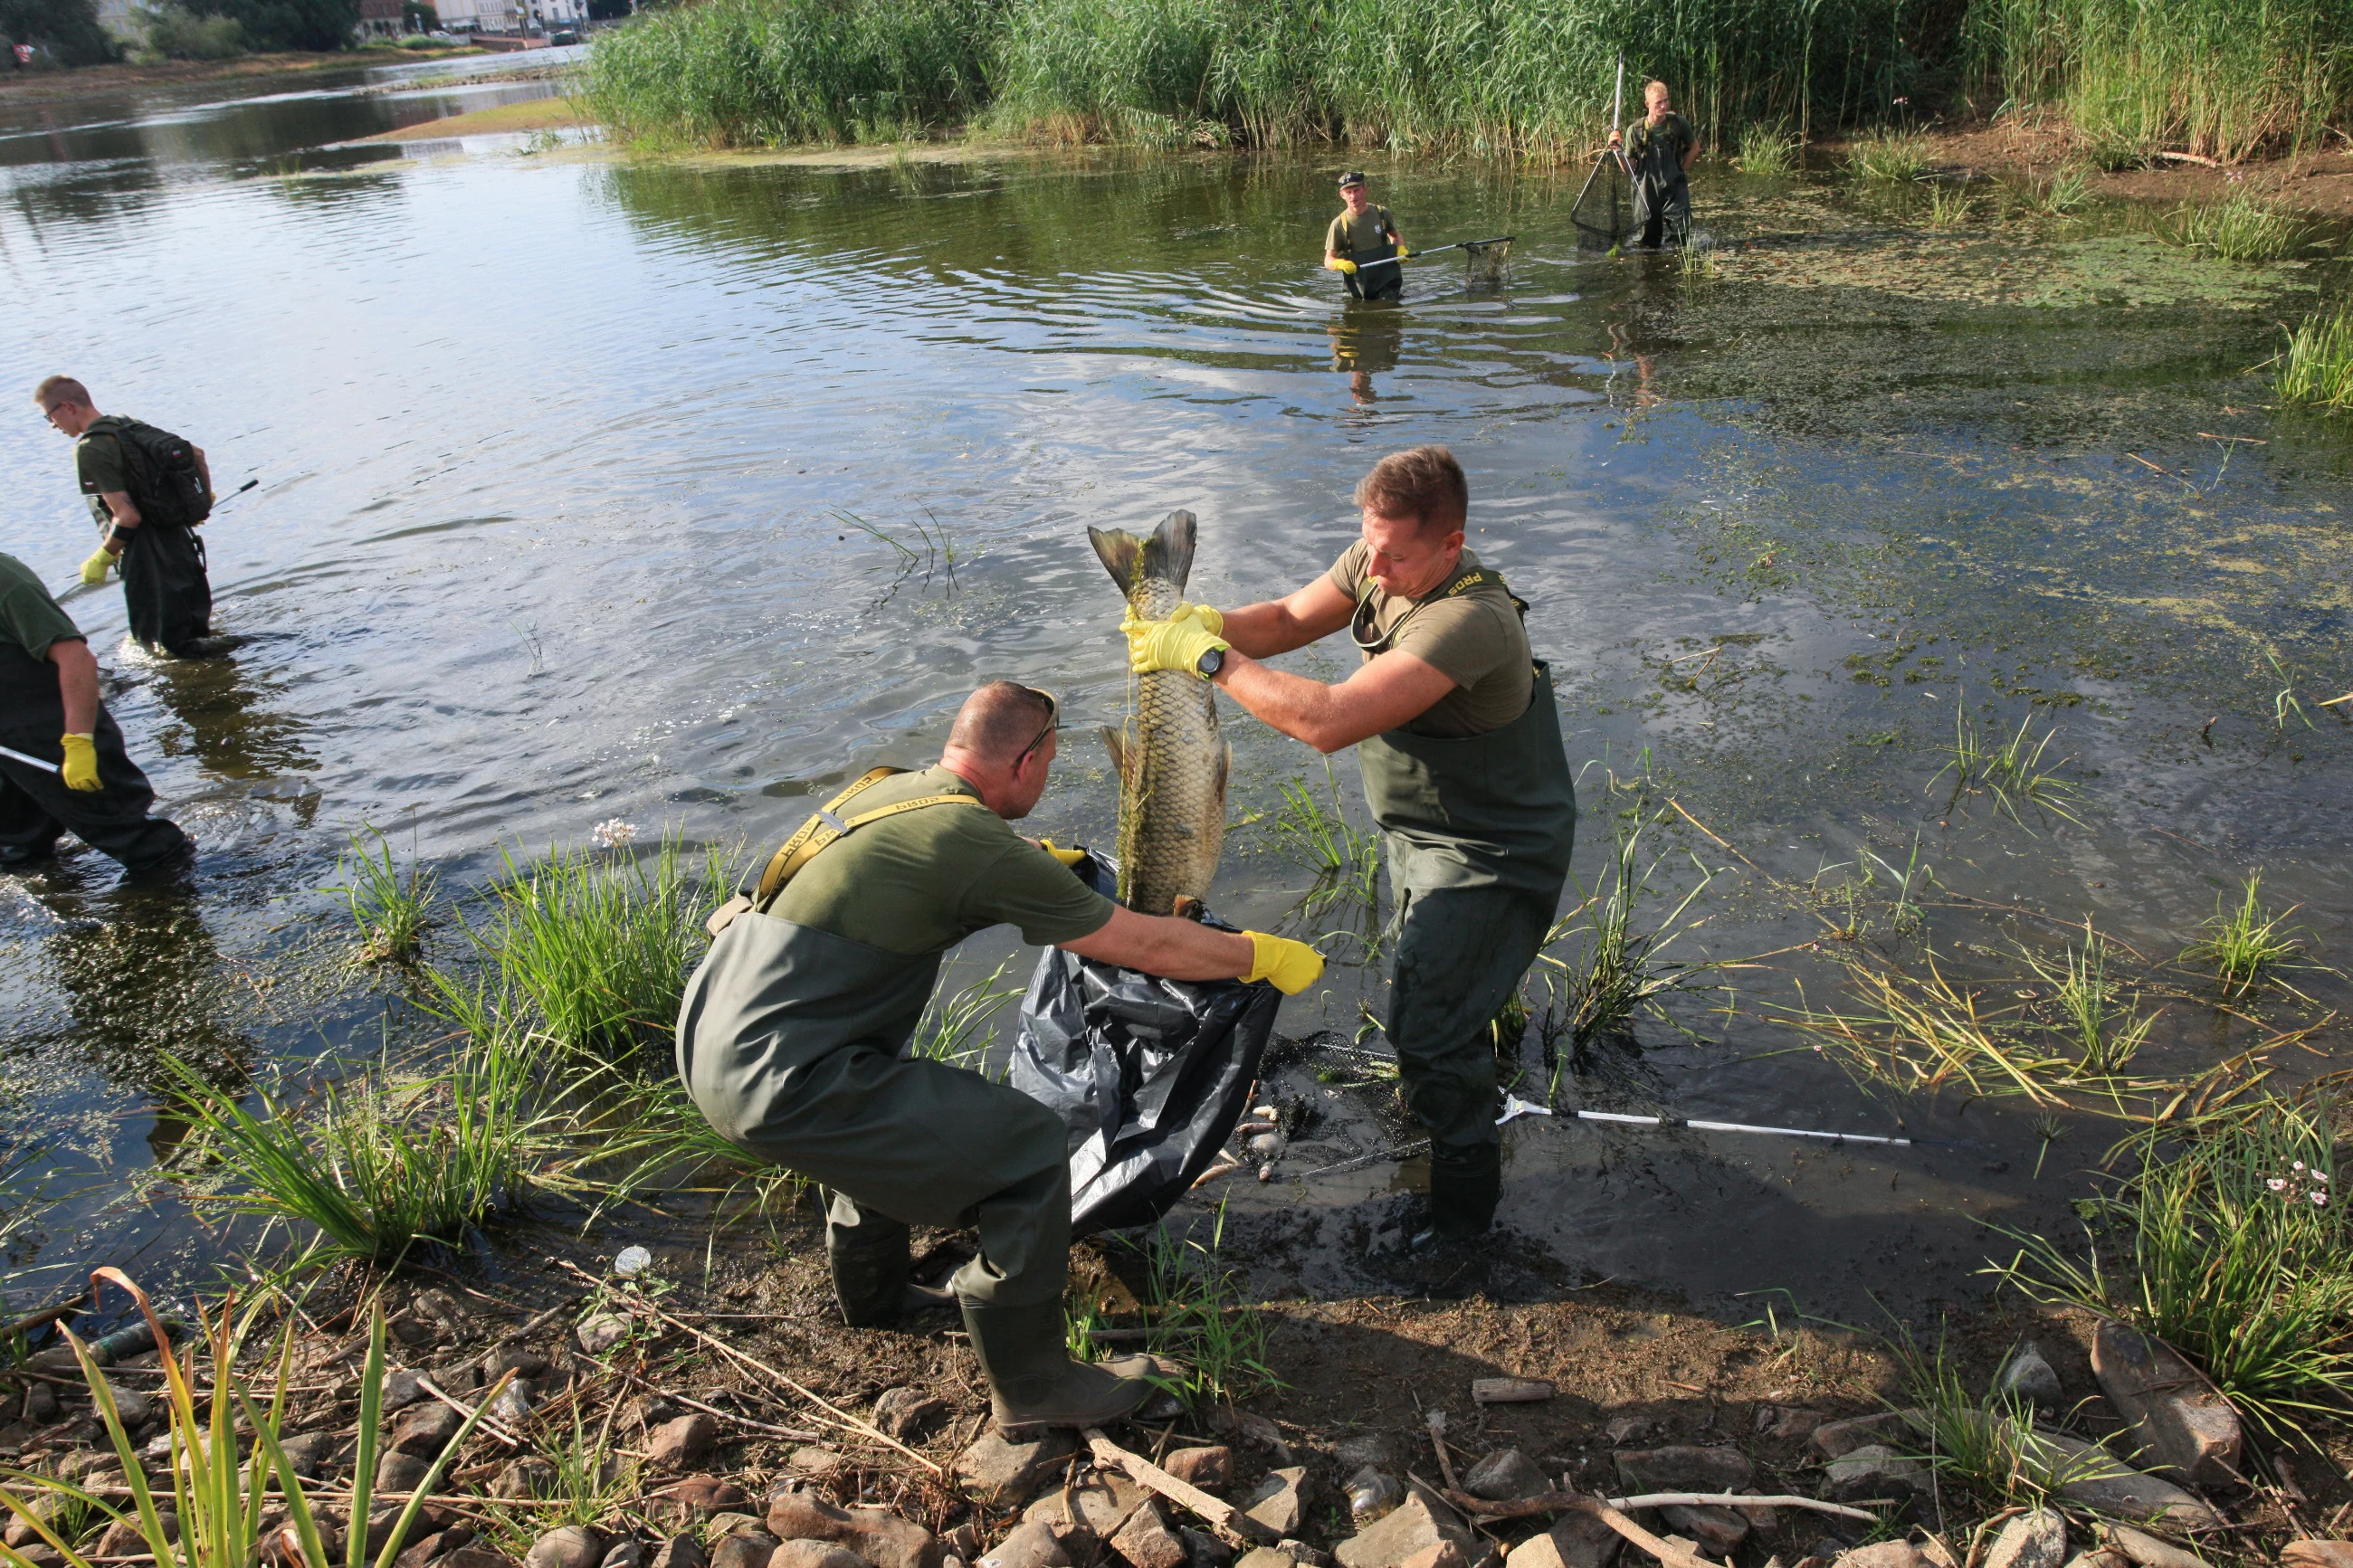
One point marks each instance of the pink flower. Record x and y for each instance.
(2277, 1183)
(2296, 1165)
(2320, 1199)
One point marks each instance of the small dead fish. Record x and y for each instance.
(1172, 764)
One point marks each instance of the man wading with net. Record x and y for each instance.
(1362, 245)
(1465, 770)
(1659, 149)
(793, 1039)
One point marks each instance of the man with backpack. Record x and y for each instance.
(149, 490)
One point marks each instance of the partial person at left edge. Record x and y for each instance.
(72, 774)
(148, 489)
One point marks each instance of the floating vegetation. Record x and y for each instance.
(1853, 893)
(2315, 368)
(391, 910)
(2228, 1244)
(2105, 1034)
(2242, 228)
(2245, 945)
(1767, 147)
(933, 552)
(2011, 772)
(1889, 157)
(1616, 973)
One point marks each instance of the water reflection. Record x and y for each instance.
(232, 721)
(1364, 344)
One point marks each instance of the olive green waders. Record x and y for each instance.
(1478, 831)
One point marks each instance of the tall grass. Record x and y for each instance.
(2235, 1251)
(1481, 76)
(1202, 1318)
(2315, 368)
(1616, 973)
(1767, 147)
(955, 1028)
(2220, 79)
(1990, 1449)
(391, 910)
(2242, 228)
(1889, 157)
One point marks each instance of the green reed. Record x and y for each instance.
(2011, 771)
(2243, 946)
(1616, 973)
(390, 910)
(2228, 1241)
(1767, 147)
(1889, 157)
(2315, 368)
(2216, 77)
(1949, 207)
(2104, 1031)
(2244, 227)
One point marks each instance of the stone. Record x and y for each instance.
(2029, 1376)
(1378, 1449)
(1419, 1522)
(310, 1452)
(1683, 1469)
(1438, 1554)
(134, 1408)
(2036, 1539)
(402, 1473)
(745, 1549)
(1210, 1467)
(1276, 1501)
(570, 1546)
(627, 1552)
(1933, 1549)
(1031, 1545)
(1717, 1529)
(908, 1413)
(471, 1556)
(1371, 1492)
(1249, 1427)
(41, 1554)
(2105, 1484)
(1148, 1541)
(123, 1537)
(814, 1460)
(528, 1477)
(44, 1505)
(1626, 1429)
(1575, 1541)
(722, 1525)
(999, 1474)
(1102, 1501)
(680, 1551)
(1267, 1557)
(1836, 1439)
(2316, 1554)
(880, 1536)
(401, 1390)
(1505, 1476)
(1206, 1549)
(514, 1359)
(2100, 1557)
(1875, 1471)
(424, 1430)
(2148, 1552)
(409, 1329)
(678, 1444)
(419, 1553)
(2183, 1425)
(40, 1404)
(706, 1494)
(1882, 1555)
(815, 1555)
(600, 1333)
(1786, 1424)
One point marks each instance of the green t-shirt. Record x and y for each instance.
(100, 465)
(1656, 152)
(924, 880)
(1474, 638)
(1360, 238)
(29, 617)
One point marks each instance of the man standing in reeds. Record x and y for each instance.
(1658, 151)
(1363, 245)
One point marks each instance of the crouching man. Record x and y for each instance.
(792, 1039)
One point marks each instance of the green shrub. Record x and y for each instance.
(173, 34)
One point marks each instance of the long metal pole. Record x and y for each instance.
(15, 755)
(1739, 1127)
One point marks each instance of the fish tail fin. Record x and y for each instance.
(1167, 556)
(1117, 742)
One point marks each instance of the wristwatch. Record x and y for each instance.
(1210, 663)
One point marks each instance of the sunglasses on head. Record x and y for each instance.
(1053, 714)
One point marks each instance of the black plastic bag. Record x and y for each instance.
(1149, 1074)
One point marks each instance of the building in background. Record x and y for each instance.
(379, 19)
(121, 19)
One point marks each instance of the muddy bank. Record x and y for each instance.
(247, 70)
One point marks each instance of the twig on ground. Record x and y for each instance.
(1223, 1517)
(490, 1426)
(1560, 1503)
(1437, 1422)
(794, 1433)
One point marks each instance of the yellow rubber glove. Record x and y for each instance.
(93, 571)
(1403, 252)
(1067, 857)
(1292, 966)
(1176, 643)
(1341, 264)
(1212, 621)
(81, 763)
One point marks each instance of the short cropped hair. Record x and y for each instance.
(998, 721)
(1655, 85)
(62, 389)
(1425, 484)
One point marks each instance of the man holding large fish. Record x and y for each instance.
(1464, 767)
(793, 1036)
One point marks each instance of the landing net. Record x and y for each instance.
(1487, 257)
(1601, 213)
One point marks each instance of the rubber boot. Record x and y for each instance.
(1464, 1184)
(1033, 1383)
(871, 1282)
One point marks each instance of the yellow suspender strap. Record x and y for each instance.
(828, 826)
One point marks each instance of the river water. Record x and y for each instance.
(597, 487)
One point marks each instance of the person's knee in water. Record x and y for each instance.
(148, 490)
(793, 1036)
(1465, 769)
(1363, 245)
(70, 773)
(1658, 151)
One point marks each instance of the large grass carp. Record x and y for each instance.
(1172, 764)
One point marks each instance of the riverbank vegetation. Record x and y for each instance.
(1533, 78)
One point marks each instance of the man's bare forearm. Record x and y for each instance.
(1302, 709)
(1164, 945)
(1263, 630)
(76, 685)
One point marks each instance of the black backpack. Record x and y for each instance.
(165, 483)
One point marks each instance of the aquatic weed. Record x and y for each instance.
(1767, 147)
(2315, 367)
(2011, 772)
(1316, 834)
(2243, 228)
(2243, 946)
(2213, 1244)
(2105, 1035)
(1949, 207)
(392, 911)
(1889, 157)
(1616, 973)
